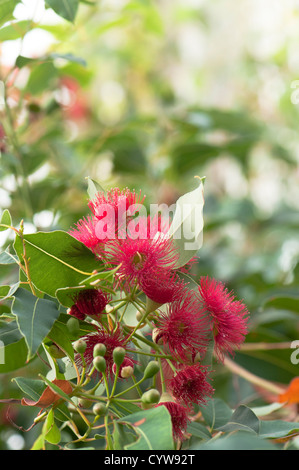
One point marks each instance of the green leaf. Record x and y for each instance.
(243, 419)
(5, 221)
(50, 430)
(121, 437)
(93, 188)
(7, 292)
(69, 57)
(276, 429)
(6, 10)
(187, 225)
(56, 371)
(152, 436)
(15, 30)
(13, 348)
(32, 388)
(216, 413)
(8, 258)
(286, 302)
(67, 9)
(41, 78)
(198, 430)
(59, 336)
(56, 260)
(240, 440)
(267, 409)
(35, 318)
(22, 61)
(124, 408)
(38, 443)
(4, 290)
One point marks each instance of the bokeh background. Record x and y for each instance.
(148, 94)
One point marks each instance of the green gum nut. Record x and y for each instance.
(73, 325)
(151, 369)
(119, 355)
(99, 363)
(99, 350)
(80, 346)
(84, 402)
(151, 396)
(99, 409)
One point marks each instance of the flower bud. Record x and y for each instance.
(126, 372)
(139, 315)
(80, 346)
(76, 313)
(84, 402)
(151, 369)
(126, 369)
(157, 337)
(99, 350)
(118, 355)
(73, 325)
(150, 396)
(99, 363)
(99, 409)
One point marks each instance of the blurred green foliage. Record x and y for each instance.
(147, 95)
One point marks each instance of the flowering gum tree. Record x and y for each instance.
(127, 335)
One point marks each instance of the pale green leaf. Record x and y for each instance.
(186, 229)
(67, 9)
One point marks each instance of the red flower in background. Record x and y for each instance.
(75, 104)
(179, 418)
(229, 316)
(84, 232)
(161, 286)
(184, 328)
(141, 260)
(190, 385)
(110, 210)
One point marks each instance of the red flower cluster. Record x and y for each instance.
(111, 339)
(192, 319)
(89, 302)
